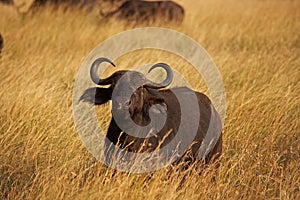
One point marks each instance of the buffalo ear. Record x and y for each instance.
(96, 95)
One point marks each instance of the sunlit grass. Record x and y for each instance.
(255, 45)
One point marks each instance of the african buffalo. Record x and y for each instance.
(7, 1)
(147, 11)
(150, 95)
(86, 4)
(1, 43)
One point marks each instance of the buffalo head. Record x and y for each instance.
(143, 90)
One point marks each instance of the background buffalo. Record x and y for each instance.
(147, 11)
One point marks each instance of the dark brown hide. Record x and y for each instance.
(148, 11)
(1, 43)
(140, 102)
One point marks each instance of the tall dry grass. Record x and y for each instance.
(255, 45)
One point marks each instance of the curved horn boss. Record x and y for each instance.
(94, 72)
(166, 82)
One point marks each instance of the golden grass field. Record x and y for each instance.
(256, 47)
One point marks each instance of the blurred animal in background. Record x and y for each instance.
(23, 6)
(147, 11)
(90, 4)
(157, 97)
(131, 11)
(1, 43)
(7, 1)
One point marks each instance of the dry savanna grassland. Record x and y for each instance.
(255, 45)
